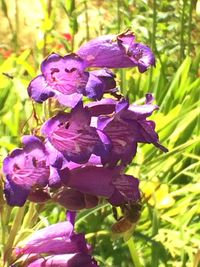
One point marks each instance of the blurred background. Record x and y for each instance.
(168, 233)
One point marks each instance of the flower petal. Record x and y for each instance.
(39, 90)
(65, 74)
(100, 82)
(117, 51)
(15, 194)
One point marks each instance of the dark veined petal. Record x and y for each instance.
(72, 135)
(128, 186)
(53, 123)
(75, 145)
(40, 90)
(123, 145)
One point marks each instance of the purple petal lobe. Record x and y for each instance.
(15, 194)
(39, 89)
(100, 82)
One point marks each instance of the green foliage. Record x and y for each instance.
(168, 232)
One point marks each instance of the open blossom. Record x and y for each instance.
(25, 169)
(65, 78)
(57, 245)
(117, 51)
(72, 135)
(125, 125)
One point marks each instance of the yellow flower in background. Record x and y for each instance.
(157, 194)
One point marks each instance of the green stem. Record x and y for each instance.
(155, 222)
(16, 26)
(30, 220)
(189, 27)
(49, 8)
(153, 38)
(87, 21)
(121, 71)
(133, 252)
(5, 216)
(182, 44)
(13, 232)
(29, 215)
(118, 16)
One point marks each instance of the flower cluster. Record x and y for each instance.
(82, 154)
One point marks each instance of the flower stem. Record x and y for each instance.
(133, 252)
(13, 232)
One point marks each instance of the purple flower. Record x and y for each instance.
(100, 82)
(72, 135)
(55, 239)
(65, 79)
(65, 260)
(99, 181)
(117, 51)
(57, 245)
(74, 200)
(24, 169)
(126, 127)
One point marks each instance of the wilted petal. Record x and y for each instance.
(75, 200)
(39, 195)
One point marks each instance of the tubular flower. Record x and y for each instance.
(65, 78)
(116, 187)
(126, 125)
(74, 200)
(72, 135)
(117, 51)
(57, 245)
(25, 170)
(65, 260)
